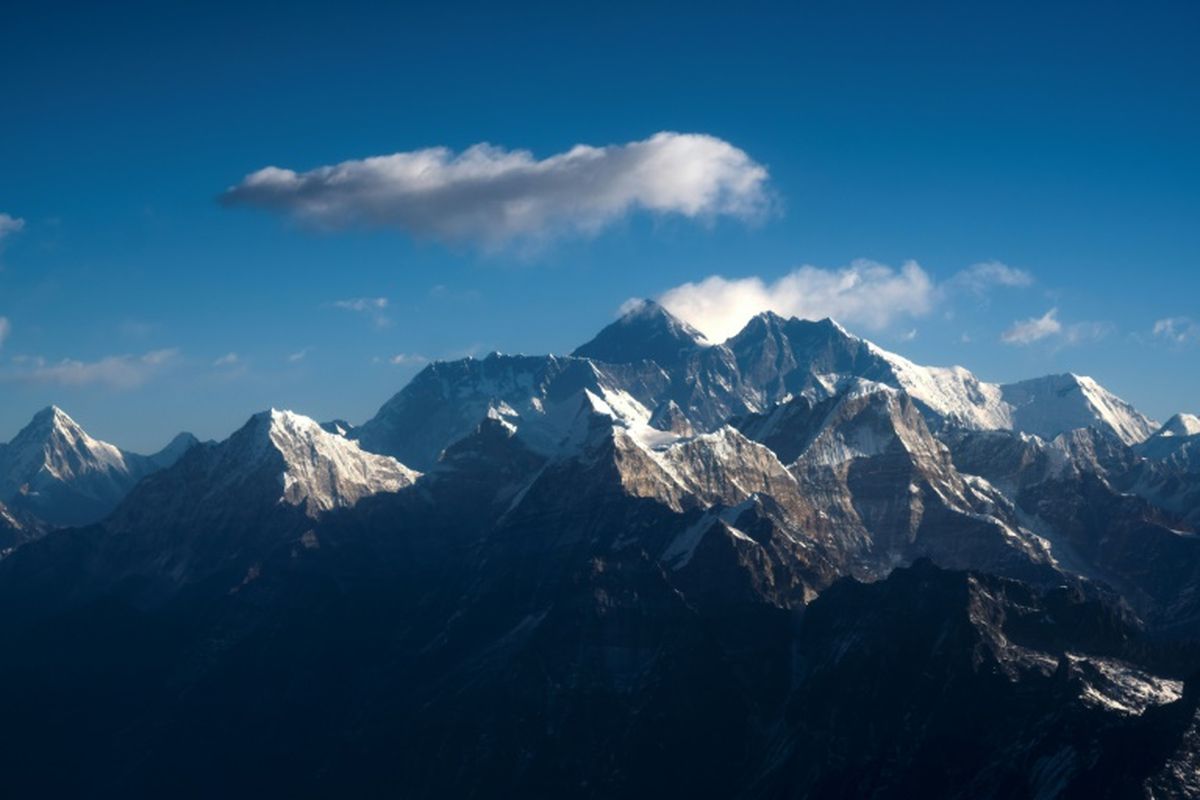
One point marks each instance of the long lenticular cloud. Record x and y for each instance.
(491, 196)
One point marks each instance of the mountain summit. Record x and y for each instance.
(277, 457)
(1057, 403)
(57, 473)
(1181, 425)
(646, 331)
(320, 470)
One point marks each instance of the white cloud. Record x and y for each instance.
(1048, 326)
(374, 306)
(298, 356)
(1080, 332)
(228, 360)
(407, 359)
(865, 293)
(5, 330)
(1178, 330)
(492, 196)
(362, 304)
(981, 277)
(10, 225)
(1033, 329)
(115, 372)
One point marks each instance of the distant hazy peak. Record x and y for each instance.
(1052, 404)
(1180, 425)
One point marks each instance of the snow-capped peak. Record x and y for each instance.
(648, 312)
(1045, 406)
(866, 420)
(55, 445)
(321, 470)
(1055, 404)
(954, 393)
(1180, 425)
(49, 421)
(56, 473)
(646, 331)
(49, 417)
(837, 326)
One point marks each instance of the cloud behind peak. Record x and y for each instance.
(864, 293)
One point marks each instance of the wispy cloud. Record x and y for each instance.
(114, 372)
(10, 225)
(1049, 327)
(5, 330)
(1081, 332)
(1178, 330)
(228, 360)
(298, 356)
(1034, 329)
(491, 196)
(407, 359)
(375, 307)
(362, 304)
(980, 278)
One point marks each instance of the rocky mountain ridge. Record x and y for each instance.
(521, 575)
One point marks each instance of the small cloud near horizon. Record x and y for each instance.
(407, 359)
(1177, 330)
(113, 372)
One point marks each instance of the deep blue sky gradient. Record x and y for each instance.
(1059, 138)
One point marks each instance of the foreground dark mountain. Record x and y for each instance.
(789, 565)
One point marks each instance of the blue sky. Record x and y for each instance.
(1055, 139)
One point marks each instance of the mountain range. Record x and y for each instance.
(792, 564)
